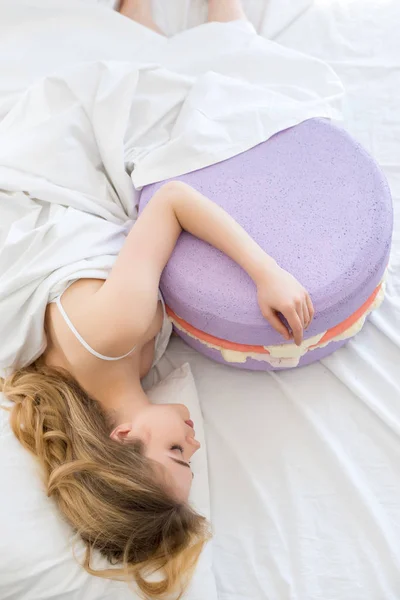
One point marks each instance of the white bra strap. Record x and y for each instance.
(80, 338)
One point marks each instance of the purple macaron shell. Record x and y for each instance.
(313, 199)
(260, 365)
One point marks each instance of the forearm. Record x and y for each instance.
(277, 290)
(206, 220)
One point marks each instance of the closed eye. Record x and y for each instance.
(177, 447)
(180, 462)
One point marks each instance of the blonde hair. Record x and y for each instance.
(109, 492)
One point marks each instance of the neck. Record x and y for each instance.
(123, 399)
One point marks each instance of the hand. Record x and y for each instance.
(280, 292)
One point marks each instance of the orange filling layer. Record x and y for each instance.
(329, 335)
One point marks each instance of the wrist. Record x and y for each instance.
(264, 267)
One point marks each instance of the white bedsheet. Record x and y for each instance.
(305, 465)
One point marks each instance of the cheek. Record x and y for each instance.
(181, 485)
(181, 411)
(161, 426)
(140, 432)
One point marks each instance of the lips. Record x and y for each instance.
(190, 423)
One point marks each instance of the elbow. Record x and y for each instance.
(172, 189)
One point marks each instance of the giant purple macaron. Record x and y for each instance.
(315, 201)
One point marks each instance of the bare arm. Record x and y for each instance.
(127, 301)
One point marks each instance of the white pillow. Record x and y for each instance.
(37, 560)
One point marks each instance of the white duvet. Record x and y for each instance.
(92, 102)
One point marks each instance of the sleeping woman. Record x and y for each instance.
(118, 466)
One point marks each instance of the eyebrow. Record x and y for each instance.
(180, 462)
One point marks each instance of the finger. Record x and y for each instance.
(310, 307)
(297, 328)
(300, 312)
(277, 324)
(306, 314)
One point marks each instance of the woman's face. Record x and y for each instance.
(169, 438)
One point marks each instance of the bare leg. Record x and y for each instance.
(225, 10)
(140, 11)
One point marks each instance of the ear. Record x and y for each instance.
(121, 432)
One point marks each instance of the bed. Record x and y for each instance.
(304, 465)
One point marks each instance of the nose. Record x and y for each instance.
(193, 443)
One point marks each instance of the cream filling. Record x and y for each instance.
(288, 355)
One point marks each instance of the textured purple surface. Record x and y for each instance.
(315, 201)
